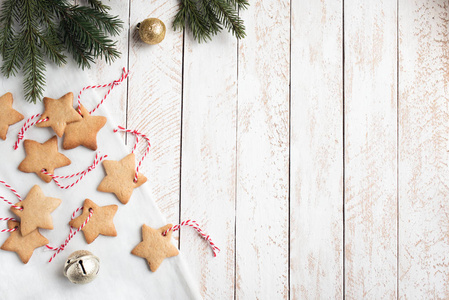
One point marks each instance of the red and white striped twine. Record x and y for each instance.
(147, 150)
(97, 160)
(72, 233)
(10, 203)
(14, 192)
(27, 125)
(195, 226)
(8, 230)
(111, 85)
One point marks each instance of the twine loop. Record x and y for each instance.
(28, 123)
(136, 134)
(114, 83)
(14, 192)
(81, 174)
(72, 233)
(8, 230)
(197, 227)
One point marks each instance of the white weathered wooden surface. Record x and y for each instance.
(316, 239)
(314, 151)
(423, 150)
(370, 149)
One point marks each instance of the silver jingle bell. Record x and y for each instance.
(81, 267)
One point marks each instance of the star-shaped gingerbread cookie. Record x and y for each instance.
(23, 245)
(155, 247)
(83, 133)
(119, 178)
(101, 221)
(36, 212)
(8, 115)
(43, 157)
(59, 113)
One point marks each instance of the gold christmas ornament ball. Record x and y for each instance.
(151, 31)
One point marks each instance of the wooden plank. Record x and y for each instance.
(370, 149)
(154, 101)
(316, 218)
(208, 161)
(423, 149)
(262, 237)
(102, 72)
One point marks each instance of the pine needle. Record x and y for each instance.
(46, 29)
(206, 18)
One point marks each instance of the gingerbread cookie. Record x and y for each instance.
(36, 211)
(43, 157)
(119, 178)
(23, 245)
(59, 113)
(101, 221)
(8, 115)
(155, 247)
(83, 133)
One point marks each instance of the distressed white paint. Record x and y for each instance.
(208, 161)
(235, 152)
(316, 202)
(154, 101)
(263, 152)
(423, 152)
(370, 149)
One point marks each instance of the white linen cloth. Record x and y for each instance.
(122, 275)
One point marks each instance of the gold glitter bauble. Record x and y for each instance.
(151, 31)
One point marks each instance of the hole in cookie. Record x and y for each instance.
(82, 266)
(16, 227)
(91, 210)
(68, 261)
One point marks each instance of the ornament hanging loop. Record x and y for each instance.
(137, 134)
(80, 175)
(111, 86)
(72, 232)
(198, 229)
(14, 192)
(8, 230)
(27, 125)
(29, 122)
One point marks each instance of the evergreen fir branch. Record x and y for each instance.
(34, 69)
(206, 18)
(52, 47)
(79, 53)
(7, 16)
(98, 5)
(12, 61)
(33, 62)
(210, 16)
(90, 37)
(46, 16)
(240, 4)
(179, 22)
(48, 28)
(103, 21)
(190, 14)
(229, 17)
